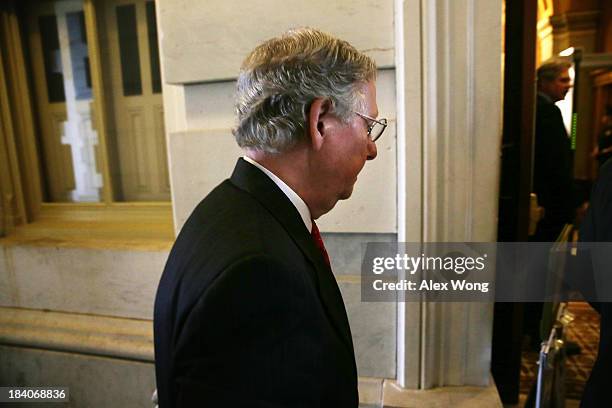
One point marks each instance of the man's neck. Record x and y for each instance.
(295, 199)
(546, 97)
(286, 166)
(294, 169)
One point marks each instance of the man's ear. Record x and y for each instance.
(318, 118)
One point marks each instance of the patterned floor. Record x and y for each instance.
(584, 330)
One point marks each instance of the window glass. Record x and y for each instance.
(78, 54)
(153, 47)
(52, 58)
(128, 47)
(135, 128)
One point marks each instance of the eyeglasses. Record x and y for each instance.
(376, 127)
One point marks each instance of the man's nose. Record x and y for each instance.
(372, 150)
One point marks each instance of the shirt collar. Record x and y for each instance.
(295, 199)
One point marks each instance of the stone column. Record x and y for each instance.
(448, 62)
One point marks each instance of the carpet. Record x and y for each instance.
(584, 331)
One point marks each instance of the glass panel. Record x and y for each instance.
(128, 48)
(78, 54)
(60, 66)
(153, 48)
(51, 57)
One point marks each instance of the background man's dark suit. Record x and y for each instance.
(597, 227)
(552, 182)
(247, 311)
(552, 171)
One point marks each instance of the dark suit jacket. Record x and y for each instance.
(247, 313)
(553, 178)
(597, 227)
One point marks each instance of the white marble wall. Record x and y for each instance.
(207, 41)
(372, 323)
(107, 282)
(201, 160)
(92, 381)
(373, 329)
(122, 283)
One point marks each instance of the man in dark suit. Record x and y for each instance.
(552, 177)
(553, 172)
(248, 312)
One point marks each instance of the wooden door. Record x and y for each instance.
(128, 43)
(62, 83)
(515, 182)
(50, 99)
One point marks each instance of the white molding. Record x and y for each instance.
(447, 170)
(462, 134)
(457, 78)
(409, 174)
(129, 339)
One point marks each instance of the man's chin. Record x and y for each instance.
(346, 194)
(342, 196)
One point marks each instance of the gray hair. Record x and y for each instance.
(549, 71)
(280, 79)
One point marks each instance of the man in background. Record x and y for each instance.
(248, 312)
(552, 177)
(553, 171)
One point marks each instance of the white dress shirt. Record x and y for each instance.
(295, 199)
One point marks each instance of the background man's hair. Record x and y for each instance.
(550, 70)
(280, 79)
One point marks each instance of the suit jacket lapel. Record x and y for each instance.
(249, 178)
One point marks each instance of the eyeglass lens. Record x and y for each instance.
(376, 130)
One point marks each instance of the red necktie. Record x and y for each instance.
(316, 236)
